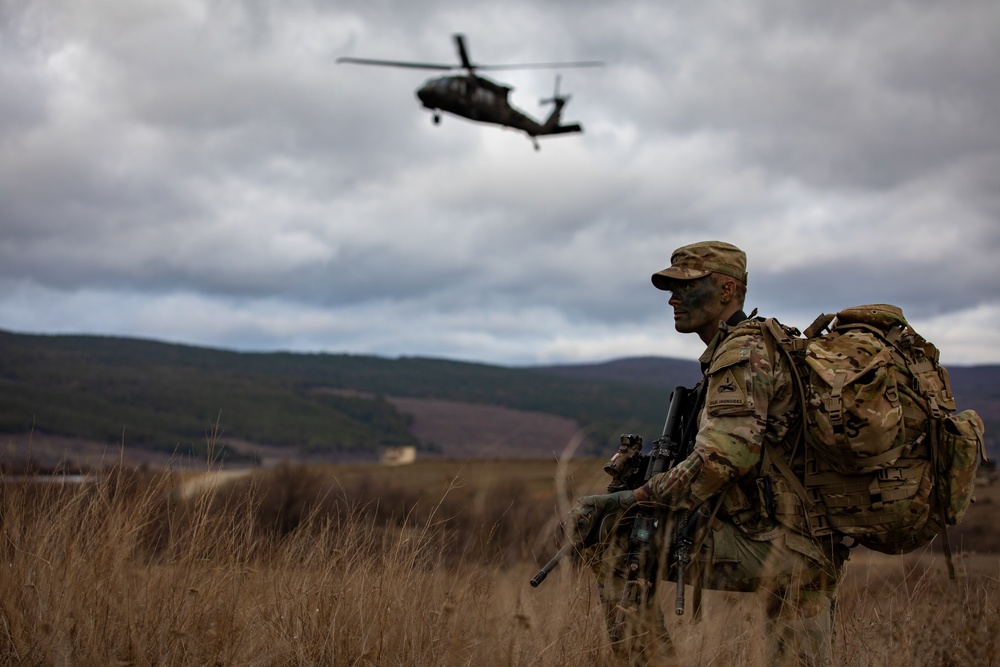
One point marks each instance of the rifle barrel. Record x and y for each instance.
(679, 600)
(548, 567)
(682, 549)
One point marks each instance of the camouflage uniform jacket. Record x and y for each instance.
(750, 399)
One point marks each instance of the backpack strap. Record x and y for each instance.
(934, 429)
(776, 337)
(779, 463)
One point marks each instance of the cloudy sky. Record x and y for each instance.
(204, 172)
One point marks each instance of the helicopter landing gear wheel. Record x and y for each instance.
(436, 119)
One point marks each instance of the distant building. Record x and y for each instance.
(398, 456)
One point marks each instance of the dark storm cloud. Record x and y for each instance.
(206, 172)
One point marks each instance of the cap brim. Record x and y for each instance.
(661, 279)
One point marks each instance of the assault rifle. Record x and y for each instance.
(642, 558)
(630, 468)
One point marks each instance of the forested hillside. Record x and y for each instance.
(170, 397)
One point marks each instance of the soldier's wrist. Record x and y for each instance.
(643, 494)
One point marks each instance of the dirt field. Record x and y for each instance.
(465, 430)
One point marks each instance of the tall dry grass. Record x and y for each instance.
(298, 566)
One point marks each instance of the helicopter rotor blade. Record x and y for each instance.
(579, 63)
(463, 55)
(467, 64)
(395, 63)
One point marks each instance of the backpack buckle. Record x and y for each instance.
(889, 474)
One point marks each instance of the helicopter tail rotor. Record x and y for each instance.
(556, 97)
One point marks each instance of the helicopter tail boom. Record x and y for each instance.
(561, 129)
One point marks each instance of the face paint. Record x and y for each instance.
(697, 307)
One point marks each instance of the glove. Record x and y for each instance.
(584, 521)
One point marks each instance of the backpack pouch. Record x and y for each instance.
(960, 447)
(855, 412)
(885, 505)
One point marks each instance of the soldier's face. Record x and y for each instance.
(697, 306)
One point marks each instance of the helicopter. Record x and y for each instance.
(482, 100)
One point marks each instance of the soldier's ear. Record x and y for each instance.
(727, 291)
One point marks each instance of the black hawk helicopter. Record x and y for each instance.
(480, 99)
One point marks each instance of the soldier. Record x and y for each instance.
(758, 539)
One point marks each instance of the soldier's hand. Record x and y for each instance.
(583, 523)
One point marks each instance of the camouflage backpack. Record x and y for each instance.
(887, 462)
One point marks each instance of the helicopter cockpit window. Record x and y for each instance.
(484, 96)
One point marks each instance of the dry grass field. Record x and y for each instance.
(425, 564)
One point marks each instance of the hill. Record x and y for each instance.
(648, 371)
(73, 392)
(90, 395)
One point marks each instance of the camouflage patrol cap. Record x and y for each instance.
(699, 259)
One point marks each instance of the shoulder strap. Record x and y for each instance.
(776, 337)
